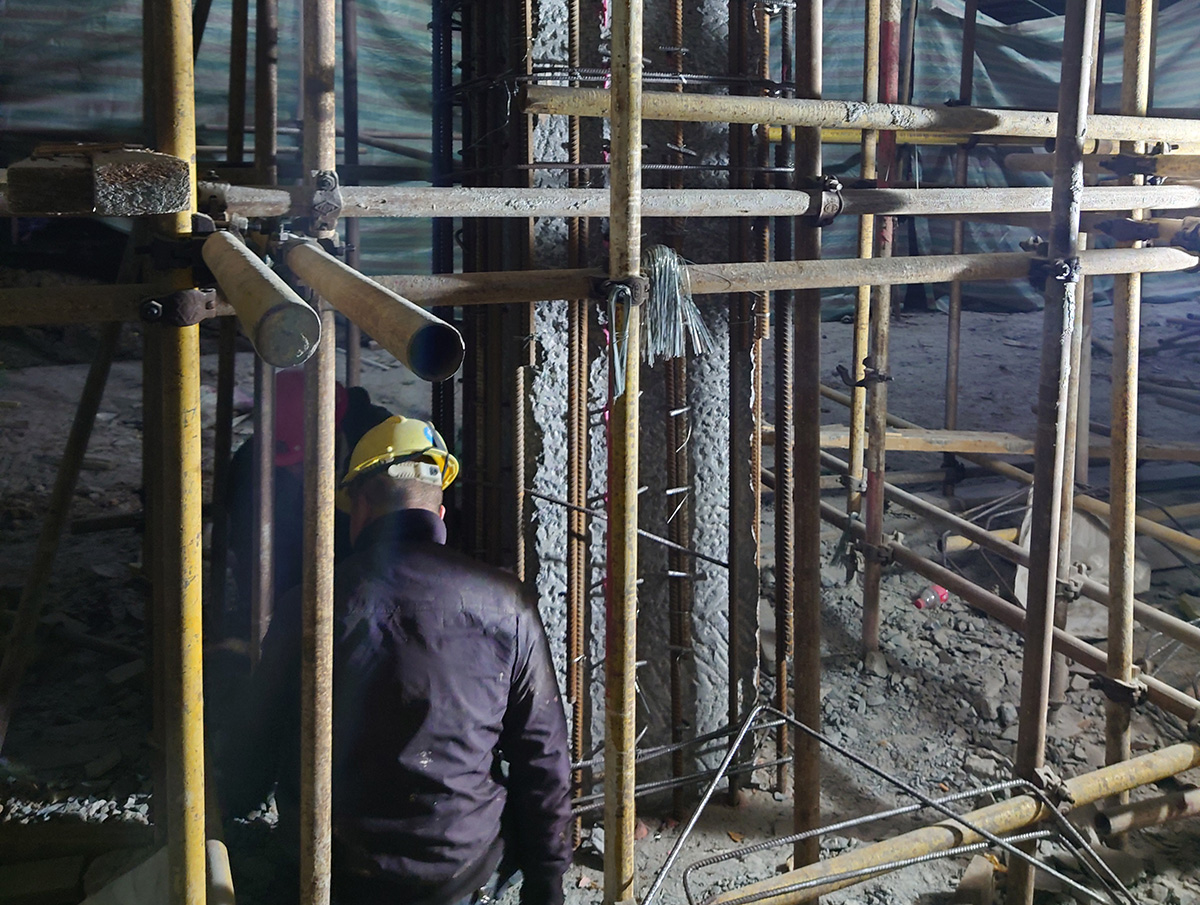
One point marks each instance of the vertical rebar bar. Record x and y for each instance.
(866, 249)
(678, 430)
(742, 337)
(577, 443)
(316, 685)
(966, 85)
(235, 137)
(807, 631)
(1053, 391)
(621, 630)
(881, 315)
(1127, 298)
(521, 154)
(350, 156)
(784, 315)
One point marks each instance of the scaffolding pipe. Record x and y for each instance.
(829, 114)
(881, 319)
(181, 529)
(428, 346)
(1054, 392)
(1001, 818)
(866, 249)
(621, 630)
(316, 676)
(262, 578)
(492, 201)
(283, 327)
(1152, 812)
(966, 86)
(350, 157)
(1151, 617)
(1148, 527)
(266, 89)
(502, 287)
(1127, 300)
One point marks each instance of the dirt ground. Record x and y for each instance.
(941, 717)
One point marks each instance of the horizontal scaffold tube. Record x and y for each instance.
(1000, 818)
(1177, 539)
(1152, 812)
(828, 114)
(1165, 696)
(710, 279)
(1169, 625)
(46, 306)
(424, 202)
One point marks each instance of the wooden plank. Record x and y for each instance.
(102, 180)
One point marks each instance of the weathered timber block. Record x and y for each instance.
(104, 181)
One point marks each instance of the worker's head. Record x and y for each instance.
(401, 463)
(289, 416)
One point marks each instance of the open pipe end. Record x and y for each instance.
(436, 352)
(287, 335)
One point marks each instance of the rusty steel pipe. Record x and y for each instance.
(1000, 818)
(262, 578)
(625, 229)
(503, 287)
(1127, 300)
(1152, 812)
(866, 249)
(266, 89)
(423, 202)
(428, 346)
(283, 327)
(830, 114)
(319, 19)
(1149, 616)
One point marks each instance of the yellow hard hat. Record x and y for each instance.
(400, 439)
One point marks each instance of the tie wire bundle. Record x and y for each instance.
(671, 317)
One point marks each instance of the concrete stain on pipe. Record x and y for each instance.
(284, 328)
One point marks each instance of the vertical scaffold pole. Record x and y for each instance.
(1135, 101)
(1053, 394)
(625, 228)
(316, 679)
(180, 502)
(807, 462)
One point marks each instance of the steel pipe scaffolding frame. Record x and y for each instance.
(493, 195)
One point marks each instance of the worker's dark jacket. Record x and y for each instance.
(441, 670)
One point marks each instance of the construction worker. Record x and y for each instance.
(354, 415)
(449, 736)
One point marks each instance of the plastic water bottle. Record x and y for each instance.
(933, 595)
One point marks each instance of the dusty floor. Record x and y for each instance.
(941, 717)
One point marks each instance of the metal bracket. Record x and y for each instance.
(184, 308)
(638, 287)
(183, 252)
(326, 204)
(881, 554)
(1064, 270)
(831, 200)
(1129, 694)
(859, 486)
(1070, 589)
(1055, 787)
(1188, 237)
